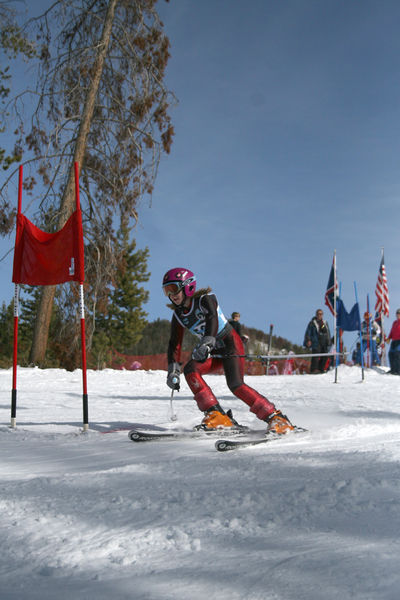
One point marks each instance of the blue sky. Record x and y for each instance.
(287, 147)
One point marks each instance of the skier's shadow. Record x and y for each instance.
(115, 426)
(372, 414)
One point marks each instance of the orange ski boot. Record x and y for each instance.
(278, 423)
(216, 418)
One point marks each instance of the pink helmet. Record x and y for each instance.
(179, 279)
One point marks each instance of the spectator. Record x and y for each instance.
(369, 333)
(317, 338)
(237, 326)
(235, 322)
(394, 351)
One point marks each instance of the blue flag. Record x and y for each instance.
(347, 321)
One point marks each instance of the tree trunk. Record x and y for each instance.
(42, 324)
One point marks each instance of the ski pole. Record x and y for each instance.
(172, 415)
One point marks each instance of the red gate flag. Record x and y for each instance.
(382, 291)
(42, 258)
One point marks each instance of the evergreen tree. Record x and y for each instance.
(63, 350)
(120, 324)
(6, 334)
(154, 338)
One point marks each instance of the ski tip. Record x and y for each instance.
(298, 429)
(223, 445)
(135, 436)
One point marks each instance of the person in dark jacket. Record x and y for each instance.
(200, 313)
(370, 331)
(317, 339)
(235, 322)
(237, 326)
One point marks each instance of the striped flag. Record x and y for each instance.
(382, 291)
(331, 289)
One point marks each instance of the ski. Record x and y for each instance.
(147, 435)
(226, 445)
(252, 436)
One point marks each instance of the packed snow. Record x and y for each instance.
(313, 516)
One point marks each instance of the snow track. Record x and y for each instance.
(91, 516)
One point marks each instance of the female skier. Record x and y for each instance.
(200, 313)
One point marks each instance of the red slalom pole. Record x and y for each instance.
(83, 348)
(85, 400)
(15, 338)
(15, 355)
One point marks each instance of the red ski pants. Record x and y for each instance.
(234, 371)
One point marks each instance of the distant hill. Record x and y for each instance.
(156, 336)
(258, 343)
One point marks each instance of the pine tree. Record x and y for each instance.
(6, 335)
(63, 350)
(123, 319)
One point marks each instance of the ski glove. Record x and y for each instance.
(173, 377)
(202, 350)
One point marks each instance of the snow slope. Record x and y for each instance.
(93, 516)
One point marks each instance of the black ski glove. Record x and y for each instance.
(202, 350)
(173, 377)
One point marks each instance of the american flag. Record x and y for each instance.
(382, 292)
(331, 290)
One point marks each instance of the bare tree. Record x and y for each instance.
(13, 43)
(101, 102)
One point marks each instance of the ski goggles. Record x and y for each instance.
(170, 289)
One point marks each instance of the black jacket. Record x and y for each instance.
(318, 333)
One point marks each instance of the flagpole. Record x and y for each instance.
(371, 346)
(369, 362)
(335, 338)
(383, 355)
(383, 349)
(334, 300)
(360, 334)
